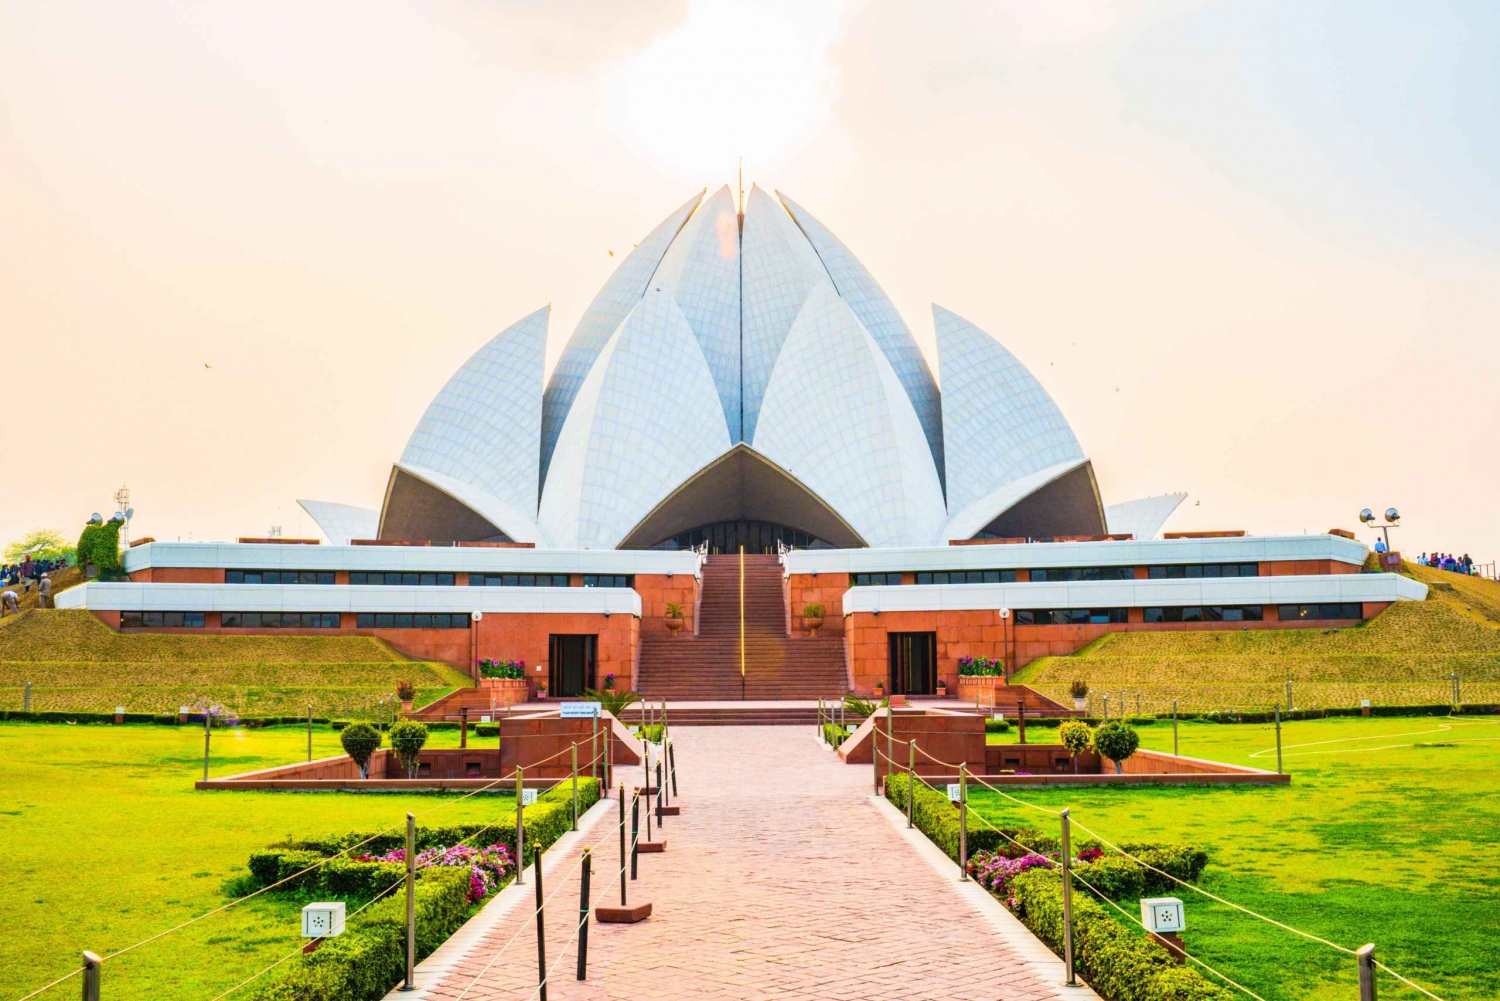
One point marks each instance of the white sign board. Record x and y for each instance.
(528, 796)
(954, 792)
(1364, 703)
(323, 920)
(1162, 914)
(579, 710)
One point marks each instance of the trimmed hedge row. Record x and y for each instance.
(1117, 962)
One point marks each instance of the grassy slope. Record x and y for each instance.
(77, 663)
(1403, 655)
(1377, 839)
(108, 843)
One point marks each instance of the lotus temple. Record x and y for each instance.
(743, 480)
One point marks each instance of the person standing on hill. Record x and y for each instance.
(44, 592)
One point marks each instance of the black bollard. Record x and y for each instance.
(635, 836)
(583, 913)
(541, 938)
(672, 763)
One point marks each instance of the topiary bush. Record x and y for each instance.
(1077, 736)
(997, 725)
(408, 737)
(361, 741)
(106, 551)
(1117, 742)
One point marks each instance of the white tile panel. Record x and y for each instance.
(616, 299)
(701, 271)
(341, 522)
(1247, 549)
(967, 521)
(780, 269)
(1137, 594)
(485, 426)
(869, 302)
(999, 424)
(128, 597)
(836, 417)
(1142, 518)
(430, 559)
(518, 525)
(648, 416)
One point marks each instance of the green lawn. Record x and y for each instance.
(107, 843)
(1389, 833)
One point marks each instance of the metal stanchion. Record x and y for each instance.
(26, 704)
(625, 914)
(1289, 695)
(583, 910)
(309, 732)
(963, 821)
(520, 831)
(623, 857)
(541, 933)
(463, 726)
(911, 778)
(575, 786)
(91, 964)
(1067, 889)
(672, 766)
(1365, 955)
(411, 904)
(648, 805)
(1021, 722)
(594, 746)
(208, 726)
(635, 835)
(1174, 728)
(890, 741)
(660, 795)
(1278, 738)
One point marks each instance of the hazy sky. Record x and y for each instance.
(1253, 250)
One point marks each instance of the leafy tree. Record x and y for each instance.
(106, 551)
(361, 741)
(85, 549)
(1077, 736)
(1116, 741)
(408, 737)
(42, 543)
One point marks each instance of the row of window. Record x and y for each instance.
(1050, 574)
(1068, 616)
(413, 620)
(1205, 613)
(397, 579)
(157, 620)
(279, 620)
(278, 576)
(1339, 610)
(1188, 571)
(518, 580)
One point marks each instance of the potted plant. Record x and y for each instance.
(406, 691)
(609, 682)
(1080, 689)
(880, 689)
(541, 683)
(504, 679)
(942, 689)
(674, 618)
(812, 616)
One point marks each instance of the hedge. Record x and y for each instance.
(996, 724)
(1119, 963)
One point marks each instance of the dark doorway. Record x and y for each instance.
(913, 663)
(571, 660)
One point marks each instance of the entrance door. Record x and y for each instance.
(913, 663)
(571, 660)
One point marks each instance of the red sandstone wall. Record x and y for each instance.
(524, 636)
(827, 588)
(178, 575)
(658, 589)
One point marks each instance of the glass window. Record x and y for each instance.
(364, 620)
(193, 620)
(403, 620)
(421, 620)
(1154, 614)
(172, 620)
(234, 576)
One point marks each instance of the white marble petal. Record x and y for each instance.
(967, 522)
(517, 524)
(1142, 518)
(485, 426)
(999, 424)
(342, 522)
(617, 298)
(647, 417)
(836, 416)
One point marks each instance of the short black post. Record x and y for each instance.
(659, 796)
(661, 764)
(672, 766)
(622, 844)
(583, 912)
(463, 727)
(635, 836)
(648, 806)
(541, 934)
(1021, 722)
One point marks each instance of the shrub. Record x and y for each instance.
(405, 690)
(997, 726)
(361, 741)
(408, 737)
(674, 610)
(979, 667)
(611, 701)
(1077, 736)
(1117, 742)
(813, 610)
(85, 547)
(106, 551)
(1115, 876)
(514, 670)
(1186, 862)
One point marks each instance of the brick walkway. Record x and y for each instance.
(781, 880)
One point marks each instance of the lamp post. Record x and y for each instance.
(1009, 645)
(1392, 517)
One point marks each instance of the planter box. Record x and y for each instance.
(981, 688)
(507, 691)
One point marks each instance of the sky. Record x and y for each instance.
(1252, 250)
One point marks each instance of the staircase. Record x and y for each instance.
(707, 666)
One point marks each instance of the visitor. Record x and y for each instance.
(9, 603)
(1380, 546)
(44, 592)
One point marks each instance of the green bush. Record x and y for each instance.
(1121, 964)
(408, 737)
(1186, 862)
(85, 548)
(361, 741)
(1077, 736)
(1117, 742)
(105, 552)
(1115, 876)
(997, 725)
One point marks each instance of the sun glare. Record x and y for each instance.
(734, 80)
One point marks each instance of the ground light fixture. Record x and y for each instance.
(323, 920)
(1392, 520)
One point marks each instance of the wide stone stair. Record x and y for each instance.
(707, 666)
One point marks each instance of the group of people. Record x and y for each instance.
(1447, 561)
(27, 574)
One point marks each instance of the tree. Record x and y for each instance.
(361, 741)
(1077, 736)
(1116, 741)
(408, 737)
(42, 544)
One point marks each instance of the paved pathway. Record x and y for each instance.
(782, 880)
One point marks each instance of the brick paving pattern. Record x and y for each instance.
(780, 881)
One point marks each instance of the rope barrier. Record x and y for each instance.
(577, 928)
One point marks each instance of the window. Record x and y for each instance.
(278, 576)
(420, 620)
(1341, 610)
(1182, 571)
(160, 620)
(1204, 613)
(519, 580)
(967, 577)
(607, 580)
(279, 620)
(398, 579)
(1068, 616)
(1083, 573)
(874, 579)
